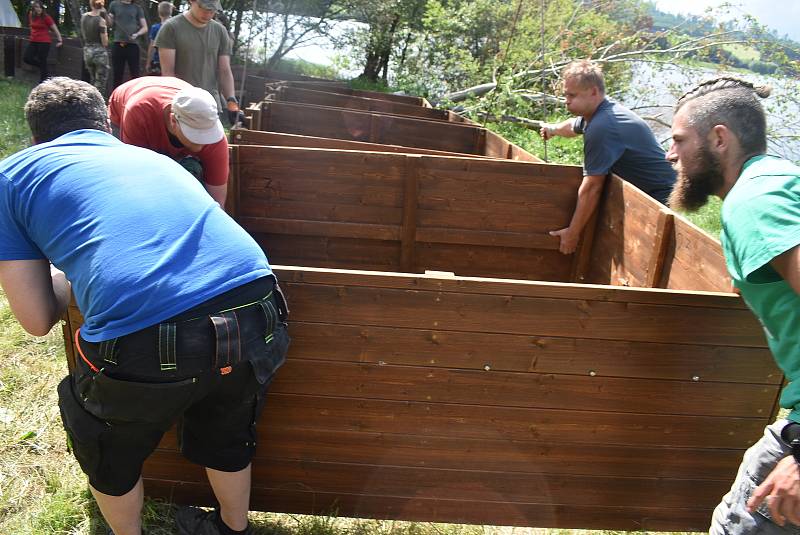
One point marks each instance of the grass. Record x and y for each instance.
(42, 490)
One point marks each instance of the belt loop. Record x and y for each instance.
(229, 347)
(280, 299)
(166, 346)
(107, 350)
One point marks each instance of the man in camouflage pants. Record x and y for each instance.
(94, 31)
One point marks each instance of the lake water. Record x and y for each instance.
(655, 88)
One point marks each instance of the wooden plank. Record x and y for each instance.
(319, 228)
(314, 251)
(233, 199)
(409, 226)
(321, 98)
(582, 256)
(531, 390)
(515, 314)
(486, 238)
(344, 90)
(696, 261)
(289, 411)
(252, 137)
(422, 509)
(540, 354)
(490, 455)
(662, 238)
(390, 481)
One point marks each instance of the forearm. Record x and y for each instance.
(54, 28)
(166, 56)
(588, 199)
(62, 292)
(37, 293)
(218, 193)
(226, 83)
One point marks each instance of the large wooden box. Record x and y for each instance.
(449, 364)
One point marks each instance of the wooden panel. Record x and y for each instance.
(341, 253)
(244, 136)
(530, 390)
(452, 310)
(540, 354)
(358, 126)
(285, 411)
(444, 510)
(342, 90)
(695, 261)
(321, 98)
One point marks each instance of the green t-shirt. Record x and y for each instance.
(126, 20)
(197, 50)
(761, 220)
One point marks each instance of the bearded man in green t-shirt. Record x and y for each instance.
(196, 48)
(719, 148)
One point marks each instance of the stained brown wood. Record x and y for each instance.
(342, 90)
(664, 226)
(244, 136)
(321, 98)
(695, 259)
(443, 510)
(369, 127)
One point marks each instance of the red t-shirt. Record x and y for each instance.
(40, 28)
(138, 108)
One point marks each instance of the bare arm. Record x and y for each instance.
(226, 77)
(218, 193)
(563, 129)
(59, 40)
(150, 48)
(37, 294)
(588, 197)
(103, 32)
(142, 29)
(167, 58)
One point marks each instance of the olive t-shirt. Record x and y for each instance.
(197, 50)
(90, 29)
(126, 20)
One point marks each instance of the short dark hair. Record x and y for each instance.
(61, 105)
(587, 73)
(731, 102)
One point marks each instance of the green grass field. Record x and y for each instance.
(42, 490)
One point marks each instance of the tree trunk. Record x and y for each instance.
(237, 25)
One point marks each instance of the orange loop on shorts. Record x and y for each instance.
(78, 347)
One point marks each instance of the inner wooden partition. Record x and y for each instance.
(245, 136)
(442, 396)
(322, 98)
(353, 125)
(343, 90)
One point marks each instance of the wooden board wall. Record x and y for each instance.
(639, 242)
(352, 125)
(322, 98)
(338, 88)
(425, 398)
(401, 212)
(245, 136)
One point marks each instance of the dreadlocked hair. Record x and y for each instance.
(731, 102)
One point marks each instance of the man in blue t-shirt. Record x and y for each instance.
(718, 147)
(183, 319)
(615, 140)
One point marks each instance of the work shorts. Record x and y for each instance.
(207, 373)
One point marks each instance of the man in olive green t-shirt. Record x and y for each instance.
(207, 66)
(719, 147)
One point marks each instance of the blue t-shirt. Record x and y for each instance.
(616, 140)
(138, 236)
(152, 34)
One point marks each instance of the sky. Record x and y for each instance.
(781, 15)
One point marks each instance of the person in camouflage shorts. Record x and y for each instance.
(94, 31)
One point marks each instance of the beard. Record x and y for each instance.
(698, 179)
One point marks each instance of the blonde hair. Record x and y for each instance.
(586, 73)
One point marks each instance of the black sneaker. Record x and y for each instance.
(195, 521)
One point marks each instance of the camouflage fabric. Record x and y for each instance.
(96, 59)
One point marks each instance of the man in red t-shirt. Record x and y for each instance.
(174, 118)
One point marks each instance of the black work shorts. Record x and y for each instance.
(208, 372)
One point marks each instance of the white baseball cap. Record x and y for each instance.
(196, 112)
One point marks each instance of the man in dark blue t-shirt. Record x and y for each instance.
(616, 140)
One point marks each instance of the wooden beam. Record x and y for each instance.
(580, 263)
(234, 191)
(409, 229)
(663, 237)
